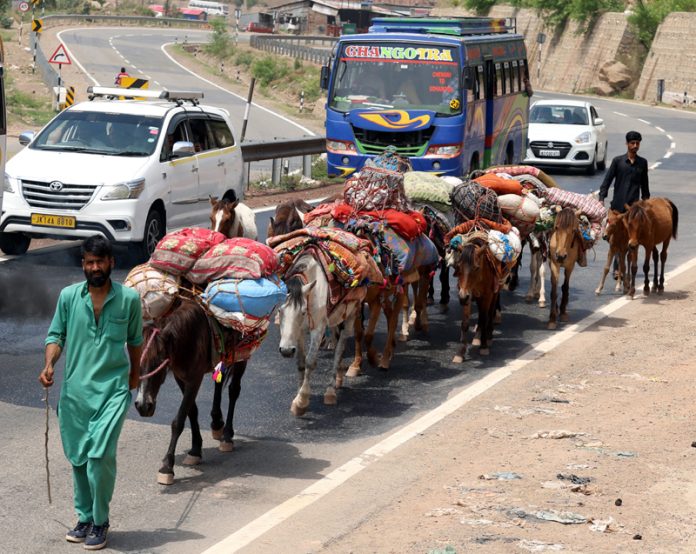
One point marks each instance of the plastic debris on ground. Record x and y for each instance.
(575, 479)
(556, 434)
(500, 476)
(446, 550)
(602, 525)
(566, 518)
(539, 546)
(476, 522)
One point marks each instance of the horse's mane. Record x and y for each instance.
(466, 256)
(637, 212)
(181, 320)
(566, 219)
(295, 283)
(225, 203)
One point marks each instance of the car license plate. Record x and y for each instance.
(44, 220)
(550, 153)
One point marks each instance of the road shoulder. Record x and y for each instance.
(624, 386)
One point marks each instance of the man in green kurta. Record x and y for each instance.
(94, 321)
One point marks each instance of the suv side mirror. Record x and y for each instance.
(598, 121)
(26, 137)
(324, 79)
(183, 149)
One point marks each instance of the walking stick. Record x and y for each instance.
(48, 473)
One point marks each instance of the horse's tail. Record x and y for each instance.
(675, 219)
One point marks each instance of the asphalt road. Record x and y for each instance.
(277, 455)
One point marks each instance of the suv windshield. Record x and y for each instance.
(559, 114)
(396, 75)
(111, 134)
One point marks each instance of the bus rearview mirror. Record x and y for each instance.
(324, 79)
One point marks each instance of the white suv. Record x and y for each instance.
(127, 169)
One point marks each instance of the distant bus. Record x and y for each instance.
(450, 94)
(3, 118)
(211, 8)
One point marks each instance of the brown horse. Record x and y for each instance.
(564, 250)
(616, 233)
(289, 216)
(183, 344)
(650, 222)
(232, 218)
(478, 275)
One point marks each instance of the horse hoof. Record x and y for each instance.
(402, 337)
(458, 359)
(564, 317)
(661, 290)
(484, 351)
(551, 326)
(226, 446)
(383, 365)
(498, 319)
(330, 399)
(476, 342)
(354, 370)
(190, 460)
(598, 292)
(217, 434)
(542, 304)
(165, 478)
(297, 411)
(444, 308)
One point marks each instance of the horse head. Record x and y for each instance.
(222, 215)
(565, 237)
(294, 311)
(638, 224)
(288, 217)
(468, 263)
(152, 371)
(616, 228)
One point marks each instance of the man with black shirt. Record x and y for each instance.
(629, 173)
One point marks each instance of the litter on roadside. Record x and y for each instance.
(539, 546)
(500, 476)
(602, 525)
(566, 518)
(575, 479)
(550, 398)
(557, 434)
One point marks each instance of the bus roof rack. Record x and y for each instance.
(171, 95)
(460, 26)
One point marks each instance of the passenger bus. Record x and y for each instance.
(3, 119)
(211, 8)
(450, 94)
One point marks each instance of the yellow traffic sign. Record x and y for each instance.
(36, 25)
(69, 97)
(35, 1)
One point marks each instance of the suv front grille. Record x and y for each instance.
(39, 194)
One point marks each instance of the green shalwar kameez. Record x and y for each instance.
(94, 397)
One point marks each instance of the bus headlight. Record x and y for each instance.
(340, 146)
(124, 191)
(8, 184)
(444, 151)
(584, 138)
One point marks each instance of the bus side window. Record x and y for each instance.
(481, 87)
(515, 77)
(499, 80)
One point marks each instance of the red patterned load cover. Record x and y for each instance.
(236, 258)
(178, 251)
(586, 203)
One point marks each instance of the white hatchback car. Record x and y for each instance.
(126, 169)
(566, 133)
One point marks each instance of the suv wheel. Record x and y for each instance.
(14, 244)
(154, 231)
(592, 168)
(603, 164)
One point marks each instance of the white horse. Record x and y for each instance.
(537, 268)
(307, 311)
(233, 218)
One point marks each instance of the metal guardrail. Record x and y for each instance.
(295, 46)
(282, 149)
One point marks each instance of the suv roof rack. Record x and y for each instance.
(130, 93)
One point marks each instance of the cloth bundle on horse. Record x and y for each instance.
(198, 331)
(327, 272)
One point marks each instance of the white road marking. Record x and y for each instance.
(659, 129)
(264, 523)
(668, 154)
(669, 137)
(621, 114)
(673, 145)
(73, 57)
(125, 60)
(643, 121)
(287, 120)
(655, 165)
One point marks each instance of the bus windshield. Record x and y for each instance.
(397, 75)
(101, 133)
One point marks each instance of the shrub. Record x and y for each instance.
(267, 69)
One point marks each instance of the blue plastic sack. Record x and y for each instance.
(254, 297)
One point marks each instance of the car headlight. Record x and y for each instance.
(340, 146)
(124, 191)
(8, 184)
(584, 138)
(444, 151)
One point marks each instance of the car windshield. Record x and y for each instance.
(559, 114)
(111, 134)
(405, 76)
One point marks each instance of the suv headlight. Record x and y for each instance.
(584, 138)
(8, 184)
(124, 191)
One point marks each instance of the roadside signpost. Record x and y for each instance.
(60, 56)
